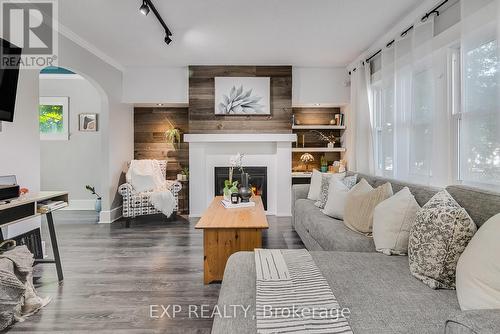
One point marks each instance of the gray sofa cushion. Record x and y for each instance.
(331, 234)
(422, 193)
(379, 290)
(472, 322)
(480, 204)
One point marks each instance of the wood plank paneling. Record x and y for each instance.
(202, 118)
(150, 125)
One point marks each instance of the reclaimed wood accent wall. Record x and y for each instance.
(202, 118)
(150, 142)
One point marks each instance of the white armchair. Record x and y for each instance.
(138, 203)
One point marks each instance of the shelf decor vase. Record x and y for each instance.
(331, 145)
(245, 191)
(229, 188)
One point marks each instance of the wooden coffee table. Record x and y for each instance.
(227, 231)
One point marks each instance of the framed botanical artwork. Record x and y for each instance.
(53, 116)
(242, 95)
(88, 122)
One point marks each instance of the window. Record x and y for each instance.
(479, 121)
(53, 118)
(383, 103)
(421, 124)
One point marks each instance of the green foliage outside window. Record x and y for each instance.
(51, 118)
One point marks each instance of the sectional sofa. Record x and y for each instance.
(382, 295)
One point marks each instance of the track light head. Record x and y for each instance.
(168, 40)
(144, 9)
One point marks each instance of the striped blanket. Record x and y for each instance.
(293, 296)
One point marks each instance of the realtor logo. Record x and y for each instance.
(31, 26)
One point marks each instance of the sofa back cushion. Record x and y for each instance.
(480, 204)
(422, 193)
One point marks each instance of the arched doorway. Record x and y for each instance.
(71, 111)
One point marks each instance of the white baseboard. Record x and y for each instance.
(107, 217)
(81, 205)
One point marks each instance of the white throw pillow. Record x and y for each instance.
(392, 221)
(478, 269)
(337, 194)
(315, 187)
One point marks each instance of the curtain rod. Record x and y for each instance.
(435, 10)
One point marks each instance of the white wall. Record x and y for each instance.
(116, 122)
(311, 85)
(72, 164)
(20, 144)
(326, 86)
(155, 84)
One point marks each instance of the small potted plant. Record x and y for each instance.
(185, 174)
(173, 135)
(324, 164)
(231, 187)
(98, 204)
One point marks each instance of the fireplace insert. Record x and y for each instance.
(258, 180)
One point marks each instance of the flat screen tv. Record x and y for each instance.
(8, 80)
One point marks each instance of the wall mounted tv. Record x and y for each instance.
(8, 80)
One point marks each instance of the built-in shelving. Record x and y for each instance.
(300, 175)
(318, 149)
(318, 127)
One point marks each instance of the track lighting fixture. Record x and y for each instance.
(168, 40)
(147, 5)
(144, 9)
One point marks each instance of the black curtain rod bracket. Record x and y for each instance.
(372, 56)
(434, 10)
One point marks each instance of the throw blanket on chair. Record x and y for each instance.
(293, 296)
(146, 176)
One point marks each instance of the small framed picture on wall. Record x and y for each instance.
(88, 122)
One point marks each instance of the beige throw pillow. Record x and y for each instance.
(360, 204)
(392, 221)
(478, 269)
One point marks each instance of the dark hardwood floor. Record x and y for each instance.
(113, 275)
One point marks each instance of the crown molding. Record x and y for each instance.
(68, 33)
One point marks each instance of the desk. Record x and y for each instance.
(25, 207)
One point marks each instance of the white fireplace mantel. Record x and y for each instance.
(240, 137)
(274, 151)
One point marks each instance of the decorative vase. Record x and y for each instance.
(324, 169)
(245, 192)
(331, 145)
(98, 205)
(229, 188)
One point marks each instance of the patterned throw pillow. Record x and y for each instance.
(349, 181)
(441, 231)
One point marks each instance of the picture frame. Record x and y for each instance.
(242, 96)
(87, 122)
(53, 117)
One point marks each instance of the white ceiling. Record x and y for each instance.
(295, 32)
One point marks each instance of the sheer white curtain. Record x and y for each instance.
(360, 154)
(413, 135)
(479, 144)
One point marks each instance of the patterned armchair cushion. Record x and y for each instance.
(441, 231)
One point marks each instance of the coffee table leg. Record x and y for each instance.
(220, 244)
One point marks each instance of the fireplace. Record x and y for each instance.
(258, 180)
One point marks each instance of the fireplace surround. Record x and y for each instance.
(270, 150)
(258, 180)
